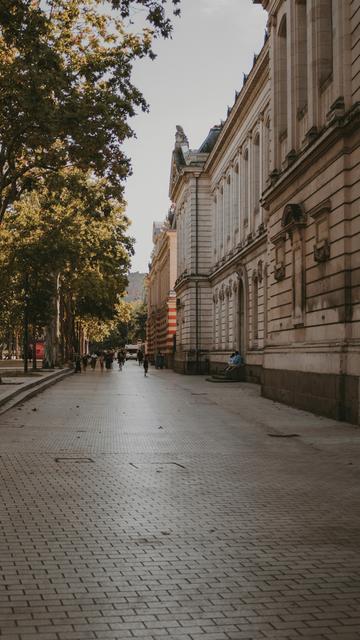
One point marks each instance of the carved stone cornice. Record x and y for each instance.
(293, 217)
(320, 209)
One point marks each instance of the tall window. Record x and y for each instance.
(282, 77)
(246, 187)
(325, 42)
(215, 226)
(221, 217)
(266, 154)
(226, 319)
(255, 310)
(227, 188)
(301, 55)
(235, 204)
(256, 157)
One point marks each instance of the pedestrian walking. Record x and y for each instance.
(77, 361)
(108, 360)
(140, 357)
(120, 359)
(93, 360)
(146, 365)
(84, 361)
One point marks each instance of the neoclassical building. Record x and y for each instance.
(161, 300)
(268, 221)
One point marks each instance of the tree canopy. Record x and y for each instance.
(70, 242)
(66, 94)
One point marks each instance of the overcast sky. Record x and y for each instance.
(190, 83)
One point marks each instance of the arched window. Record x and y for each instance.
(282, 78)
(301, 43)
(226, 319)
(255, 310)
(325, 39)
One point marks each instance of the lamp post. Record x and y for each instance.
(26, 323)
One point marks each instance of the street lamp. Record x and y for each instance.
(26, 324)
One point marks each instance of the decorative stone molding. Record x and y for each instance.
(320, 214)
(279, 242)
(293, 218)
(260, 270)
(279, 272)
(322, 251)
(235, 286)
(240, 271)
(221, 293)
(322, 208)
(227, 291)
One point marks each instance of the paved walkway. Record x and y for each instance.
(168, 507)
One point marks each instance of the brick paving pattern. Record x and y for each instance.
(160, 508)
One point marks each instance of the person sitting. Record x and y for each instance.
(235, 361)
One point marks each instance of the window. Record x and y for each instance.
(325, 39)
(235, 204)
(282, 78)
(266, 153)
(257, 193)
(301, 44)
(245, 189)
(255, 310)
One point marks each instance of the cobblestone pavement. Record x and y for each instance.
(165, 508)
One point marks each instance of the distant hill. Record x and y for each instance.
(135, 290)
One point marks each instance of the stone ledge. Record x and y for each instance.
(31, 388)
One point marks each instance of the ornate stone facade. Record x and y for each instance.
(161, 300)
(267, 215)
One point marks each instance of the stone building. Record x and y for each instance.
(312, 353)
(267, 216)
(161, 299)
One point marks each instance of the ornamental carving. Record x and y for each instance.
(221, 293)
(293, 217)
(279, 272)
(227, 290)
(260, 270)
(240, 272)
(322, 251)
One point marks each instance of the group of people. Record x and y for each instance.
(105, 359)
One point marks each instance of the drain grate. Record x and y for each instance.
(283, 435)
(159, 464)
(75, 460)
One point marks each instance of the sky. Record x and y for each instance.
(191, 83)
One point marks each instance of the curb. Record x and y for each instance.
(32, 389)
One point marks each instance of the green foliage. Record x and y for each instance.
(54, 241)
(128, 328)
(66, 94)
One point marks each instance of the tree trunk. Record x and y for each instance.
(34, 347)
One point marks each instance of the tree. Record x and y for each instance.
(66, 247)
(66, 94)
